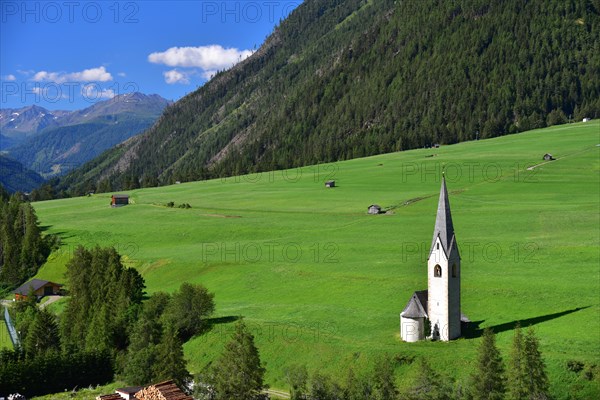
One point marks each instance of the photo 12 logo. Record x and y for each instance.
(53, 12)
(246, 11)
(53, 92)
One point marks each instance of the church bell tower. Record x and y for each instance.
(443, 275)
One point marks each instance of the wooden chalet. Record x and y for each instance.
(39, 287)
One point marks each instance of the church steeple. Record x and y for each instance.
(443, 223)
(440, 303)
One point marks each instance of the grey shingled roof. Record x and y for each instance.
(35, 284)
(417, 305)
(443, 222)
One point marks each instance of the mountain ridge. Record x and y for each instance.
(345, 79)
(78, 136)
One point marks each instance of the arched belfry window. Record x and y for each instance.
(437, 271)
(454, 271)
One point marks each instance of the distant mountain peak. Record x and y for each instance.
(55, 142)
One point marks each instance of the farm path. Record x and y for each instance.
(560, 158)
(278, 393)
(51, 299)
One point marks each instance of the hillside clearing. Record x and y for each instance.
(322, 283)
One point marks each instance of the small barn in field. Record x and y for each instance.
(39, 287)
(330, 184)
(374, 209)
(119, 200)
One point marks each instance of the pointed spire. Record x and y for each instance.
(443, 222)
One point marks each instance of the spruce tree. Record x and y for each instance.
(42, 335)
(385, 386)
(537, 380)
(357, 387)
(238, 373)
(170, 363)
(488, 379)
(428, 385)
(517, 372)
(321, 387)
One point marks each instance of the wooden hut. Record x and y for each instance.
(374, 209)
(119, 200)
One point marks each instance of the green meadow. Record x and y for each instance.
(5, 342)
(322, 283)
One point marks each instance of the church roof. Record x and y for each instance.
(417, 305)
(444, 229)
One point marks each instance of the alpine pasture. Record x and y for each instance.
(320, 282)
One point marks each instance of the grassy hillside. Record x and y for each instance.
(322, 283)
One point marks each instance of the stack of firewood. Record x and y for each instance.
(162, 391)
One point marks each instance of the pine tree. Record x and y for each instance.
(43, 335)
(321, 387)
(537, 380)
(385, 387)
(488, 379)
(428, 385)
(527, 377)
(238, 373)
(357, 387)
(517, 373)
(170, 363)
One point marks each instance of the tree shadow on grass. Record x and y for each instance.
(222, 320)
(472, 329)
(212, 323)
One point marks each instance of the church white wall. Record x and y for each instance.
(412, 329)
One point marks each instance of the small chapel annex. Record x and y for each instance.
(437, 309)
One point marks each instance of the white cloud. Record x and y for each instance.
(10, 78)
(212, 57)
(174, 76)
(208, 75)
(98, 74)
(51, 94)
(25, 72)
(94, 91)
(122, 74)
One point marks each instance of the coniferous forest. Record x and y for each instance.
(352, 78)
(23, 249)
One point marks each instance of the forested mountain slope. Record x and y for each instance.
(16, 178)
(340, 79)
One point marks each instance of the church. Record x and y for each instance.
(435, 313)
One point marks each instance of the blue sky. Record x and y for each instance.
(65, 55)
